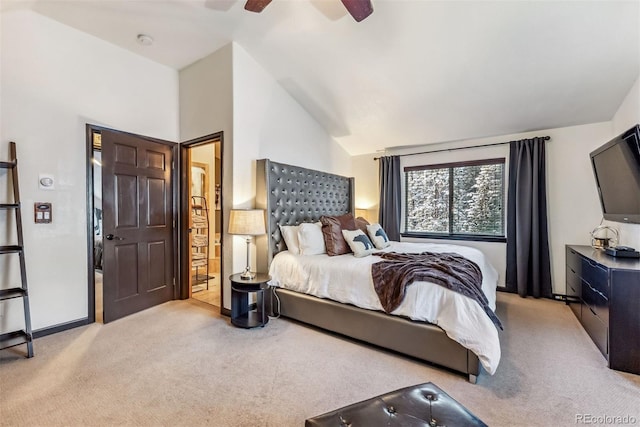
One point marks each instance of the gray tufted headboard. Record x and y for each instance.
(291, 195)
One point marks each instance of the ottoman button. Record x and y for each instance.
(344, 423)
(391, 409)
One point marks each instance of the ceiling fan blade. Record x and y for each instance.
(256, 5)
(359, 9)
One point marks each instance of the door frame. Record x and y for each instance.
(175, 182)
(184, 248)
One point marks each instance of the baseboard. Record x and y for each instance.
(59, 328)
(553, 297)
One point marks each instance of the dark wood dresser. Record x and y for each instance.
(604, 294)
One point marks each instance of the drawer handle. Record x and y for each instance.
(595, 291)
(594, 265)
(591, 310)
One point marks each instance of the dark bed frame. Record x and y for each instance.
(291, 195)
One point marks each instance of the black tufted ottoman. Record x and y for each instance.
(415, 406)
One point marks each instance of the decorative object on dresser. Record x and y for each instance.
(600, 238)
(247, 222)
(604, 294)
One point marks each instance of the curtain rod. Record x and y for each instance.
(546, 138)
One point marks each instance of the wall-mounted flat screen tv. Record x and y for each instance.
(616, 166)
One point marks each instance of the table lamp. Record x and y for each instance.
(247, 222)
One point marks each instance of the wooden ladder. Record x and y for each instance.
(24, 336)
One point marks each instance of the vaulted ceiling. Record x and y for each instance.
(412, 73)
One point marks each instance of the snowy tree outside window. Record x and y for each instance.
(456, 199)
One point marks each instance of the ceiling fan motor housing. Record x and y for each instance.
(359, 9)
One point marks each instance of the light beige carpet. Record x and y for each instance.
(181, 364)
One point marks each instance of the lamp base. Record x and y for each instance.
(247, 275)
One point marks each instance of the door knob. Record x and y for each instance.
(112, 237)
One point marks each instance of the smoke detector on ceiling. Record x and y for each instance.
(145, 40)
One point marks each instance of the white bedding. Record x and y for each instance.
(347, 279)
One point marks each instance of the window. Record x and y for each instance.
(456, 200)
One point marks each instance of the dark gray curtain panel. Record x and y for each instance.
(390, 200)
(528, 261)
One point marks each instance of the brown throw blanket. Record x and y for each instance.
(453, 271)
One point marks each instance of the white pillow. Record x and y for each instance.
(290, 236)
(359, 243)
(311, 239)
(378, 236)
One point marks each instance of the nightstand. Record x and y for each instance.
(241, 315)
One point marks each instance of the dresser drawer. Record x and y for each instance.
(596, 302)
(574, 283)
(574, 290)
(576, 307)
(596, 276)
(574, 260)
(596, 329)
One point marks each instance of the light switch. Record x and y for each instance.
(42, 212)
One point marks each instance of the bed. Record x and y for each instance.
(292, 195)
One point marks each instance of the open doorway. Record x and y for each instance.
(204, 172)
(96, 165)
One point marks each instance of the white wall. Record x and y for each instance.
(628, 113)
(367, 184)
(229, 91)
(573, 204)
(269, 123)
(206, 107)
(206, 97)
(54, 80)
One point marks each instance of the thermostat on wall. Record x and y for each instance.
(45, 181)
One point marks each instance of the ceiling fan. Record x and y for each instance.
(359, 9)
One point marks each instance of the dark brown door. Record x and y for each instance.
(138, 260)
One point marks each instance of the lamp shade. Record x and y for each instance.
(361, 212)
(247, 222)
